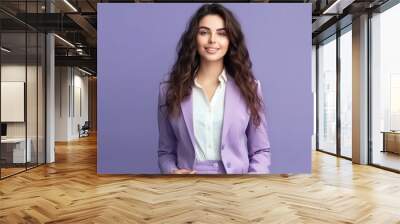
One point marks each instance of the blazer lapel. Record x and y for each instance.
(187, 111)
(228, 105)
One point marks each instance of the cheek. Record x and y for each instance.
(225, 45)
(201, 41)
(224, 41)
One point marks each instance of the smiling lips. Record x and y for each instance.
(211, 50)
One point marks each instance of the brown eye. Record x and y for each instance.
(222, 33)
(202, 32)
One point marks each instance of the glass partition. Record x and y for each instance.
(327, 95)
(41, 91)
(14, 153)
(22, 77)
(32, 95)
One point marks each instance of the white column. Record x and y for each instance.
(50, 92)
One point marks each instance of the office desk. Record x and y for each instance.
(391, 141)
(13, 150)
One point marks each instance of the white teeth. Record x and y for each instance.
(211, 50)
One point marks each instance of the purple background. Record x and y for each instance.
(136, 49)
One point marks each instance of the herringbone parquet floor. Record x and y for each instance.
(70, 191)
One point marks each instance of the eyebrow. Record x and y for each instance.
(204, 27)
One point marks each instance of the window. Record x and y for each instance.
(346, 75)
(385, 88)
(327, 95)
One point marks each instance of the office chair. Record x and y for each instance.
(84, 130)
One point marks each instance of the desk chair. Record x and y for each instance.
(84, 130)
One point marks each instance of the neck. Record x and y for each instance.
(210, 70)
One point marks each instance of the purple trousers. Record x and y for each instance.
(209, 167)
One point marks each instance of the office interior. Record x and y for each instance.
(49, 79)
(375, 88)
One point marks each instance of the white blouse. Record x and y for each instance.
(208, 120)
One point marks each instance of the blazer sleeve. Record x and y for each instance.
(258, 142)
(167, 140)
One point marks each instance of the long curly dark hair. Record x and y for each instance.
(237, 62)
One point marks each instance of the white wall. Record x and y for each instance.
(62, 81)
(80, 109)
(17, 73)
(71, 93)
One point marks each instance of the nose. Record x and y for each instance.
(212, 38)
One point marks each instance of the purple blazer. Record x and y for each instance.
(244, 148)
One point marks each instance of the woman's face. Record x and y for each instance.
(212, 39)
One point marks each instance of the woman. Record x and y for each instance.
(211, 117)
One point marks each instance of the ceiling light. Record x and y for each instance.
(338, 6)
(84, 71)
(5, 50)
(70, 5)
(64, 40)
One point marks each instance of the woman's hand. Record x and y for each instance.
(183, 171)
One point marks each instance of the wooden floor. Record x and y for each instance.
(70, 191)
(387, 159)
(5, 172)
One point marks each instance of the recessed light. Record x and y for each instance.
(84, 71)
(64, 40)
(70, 5)
(5, 50)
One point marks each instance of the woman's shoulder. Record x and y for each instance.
(164, 83)
(163, 88)
(258, 83)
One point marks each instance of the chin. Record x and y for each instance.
(212, 58)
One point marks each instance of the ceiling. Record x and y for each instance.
(76, 22)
